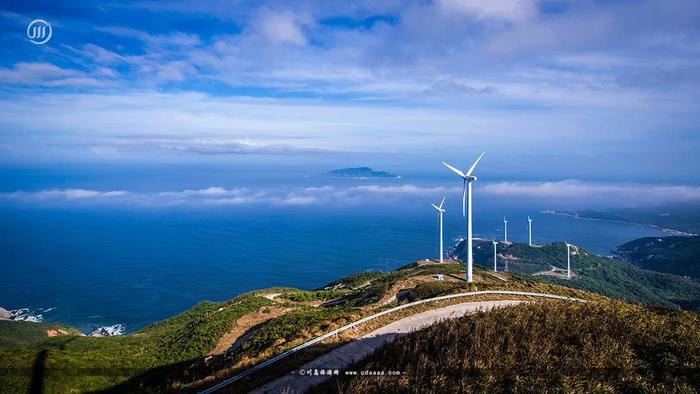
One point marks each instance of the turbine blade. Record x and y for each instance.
(475, 163)
(435, 206)
(442, 202)
(464, 198)
(456, 171)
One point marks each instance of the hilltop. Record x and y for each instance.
(540, 347)
(602, 275)
(675, 255)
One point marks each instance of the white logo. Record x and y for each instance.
(39, 31)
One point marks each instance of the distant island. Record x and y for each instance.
(360, 173)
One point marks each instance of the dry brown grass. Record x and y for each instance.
(244, 324)
(542, 347)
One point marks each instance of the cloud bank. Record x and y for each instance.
(573, 189)
(569, 190)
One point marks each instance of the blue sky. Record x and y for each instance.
(603, 90)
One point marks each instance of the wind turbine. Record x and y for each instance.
(568, 260)
(468, 178)
(505, 230)
(495, 256)
(529, 231)
(440, 212)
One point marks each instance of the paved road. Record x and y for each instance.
(347, 354)
(264, 364)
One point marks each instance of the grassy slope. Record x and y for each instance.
(15, 335)
(542, 347)
(675, 255)
(78, 363)
(612, 278)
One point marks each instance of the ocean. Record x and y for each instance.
(97, 246)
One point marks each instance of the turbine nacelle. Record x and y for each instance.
(440, 208)
(467, 177)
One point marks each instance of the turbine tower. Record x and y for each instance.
(568, 260)
(495, 256)
(529, 231)
(505, 230)
(467, 178)
(440, 212)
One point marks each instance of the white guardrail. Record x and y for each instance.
(316, 340)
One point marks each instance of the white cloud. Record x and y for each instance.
(216, 195)
(49, 75)
(573, 189)
(562, 191)
(175, 38)
(64, 194)
(211, 191)
(281, 27)
(517, 10)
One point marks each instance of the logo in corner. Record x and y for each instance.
(39, 31)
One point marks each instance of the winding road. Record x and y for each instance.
(426, 319)
(345, 355)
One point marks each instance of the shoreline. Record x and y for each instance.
(31, 316)
(654, 226)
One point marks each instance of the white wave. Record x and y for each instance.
(24, 314)
(108, 331)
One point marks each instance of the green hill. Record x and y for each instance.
(675, 255)
(609, 277)
(71, 362)
(551, 347)
(17, 334)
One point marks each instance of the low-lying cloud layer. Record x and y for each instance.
(222, 196)
(576, 189)
(561, 192)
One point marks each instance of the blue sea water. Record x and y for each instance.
(135, 260)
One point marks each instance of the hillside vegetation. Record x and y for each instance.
(74, 363)
(675, 255)
(174, 353)
(609, 277)
(539, 348)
